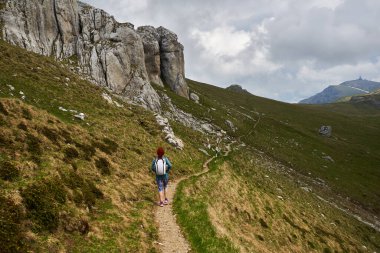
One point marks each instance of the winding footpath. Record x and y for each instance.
(171, 239)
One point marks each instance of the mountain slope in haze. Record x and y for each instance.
(335, 92)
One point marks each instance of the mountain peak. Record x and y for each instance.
(237, 88)
(334, 93)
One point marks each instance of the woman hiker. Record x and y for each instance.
(161, 166)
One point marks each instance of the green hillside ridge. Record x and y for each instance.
(289, 133)
(219, 211)
(79, 186)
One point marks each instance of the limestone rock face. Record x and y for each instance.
(112, 54)
(150, 39)
(47, 27)
(172, 62)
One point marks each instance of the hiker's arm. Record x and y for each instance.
(169, 164)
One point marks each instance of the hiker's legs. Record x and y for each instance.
(162, 195)
(160, 185)
(166, 180)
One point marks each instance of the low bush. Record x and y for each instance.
(104, 166)
(11, 216)
(8, 171)
(42, 200)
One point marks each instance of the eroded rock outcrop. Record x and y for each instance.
(112, 54)
(164, 58)
(172, 62)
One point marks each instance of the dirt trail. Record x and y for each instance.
(171, 238)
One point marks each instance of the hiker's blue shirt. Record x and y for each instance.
(153, 168)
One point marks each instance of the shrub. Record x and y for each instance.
(71, 153)
(51, 134)
(22, 126)
(91, 193)
(42, 201)
(27, 114)
(3, 110)
(11, 216)
(103, 165)
(34, 144)
(88, 150)
(8, 171)
(107, 146)
(72, 180)
(66, 135)
(34, 147)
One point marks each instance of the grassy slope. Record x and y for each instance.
(99, 165)
(236, 206)
(243, 204)
(289, 133)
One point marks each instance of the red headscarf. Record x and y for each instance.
(160, 152)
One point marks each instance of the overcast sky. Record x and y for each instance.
(281, 49)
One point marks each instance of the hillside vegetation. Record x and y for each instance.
(272, 194)
(247, 204)
(73, 185)
(347, 162)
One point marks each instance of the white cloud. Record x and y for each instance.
(337, 74)
(331, 4)
(222, 41)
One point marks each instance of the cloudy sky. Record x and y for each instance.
(282, 49)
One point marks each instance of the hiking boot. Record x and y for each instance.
(166, 202)
(161, 204)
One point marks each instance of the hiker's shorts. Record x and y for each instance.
(162, 182)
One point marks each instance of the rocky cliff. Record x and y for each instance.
(112, 54)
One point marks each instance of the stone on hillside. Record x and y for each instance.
(230, 125)
(80, 116)
(325, 131)
(107, 98)
(62, 109)
(170, 136)
(194, 97)
(204, 151)
(328, 158)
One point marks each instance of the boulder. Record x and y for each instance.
(194, 97)
(325, 131)
(230, 125)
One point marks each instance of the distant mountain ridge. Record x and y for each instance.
(346, 89)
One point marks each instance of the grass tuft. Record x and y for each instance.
(8, 171)
(104, 166)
